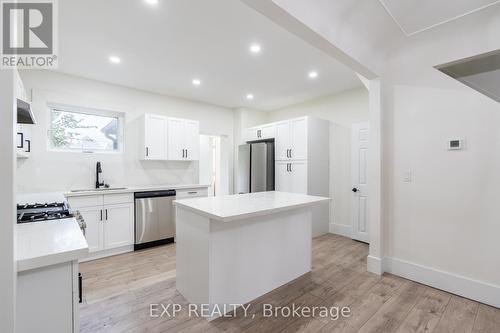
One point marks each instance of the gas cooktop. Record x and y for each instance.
(43, 212)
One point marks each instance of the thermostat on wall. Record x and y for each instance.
(455, 144)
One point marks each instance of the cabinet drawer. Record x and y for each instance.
(113, 199)
(191, 193)
(85, 201)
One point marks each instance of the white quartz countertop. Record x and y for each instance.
(47, 243)
(132, 189)
(240, 206)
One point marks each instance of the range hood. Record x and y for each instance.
(481, 73)
(24, 113)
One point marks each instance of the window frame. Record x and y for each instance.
(91, 112)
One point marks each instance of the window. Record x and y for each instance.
(74, 129)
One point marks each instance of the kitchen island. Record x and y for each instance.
(233, 249)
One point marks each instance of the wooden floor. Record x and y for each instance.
(118, 292)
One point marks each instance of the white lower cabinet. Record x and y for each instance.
(47, 299)
(118, 225)
(109, 219)
(291, 176)
(93, 233)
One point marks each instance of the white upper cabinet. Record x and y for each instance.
(183, 139)
(298, 139)
(155, 137)
(260, 132)
(170, 139)
(291, 139)
(176, 147)
(192, 140)
(282, 142)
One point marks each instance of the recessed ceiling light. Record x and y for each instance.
(152, 2)
(115, 59)
(255, 48)
(250, 96)
(313, 75)
(196, 82)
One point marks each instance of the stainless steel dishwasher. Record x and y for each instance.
(154, 218)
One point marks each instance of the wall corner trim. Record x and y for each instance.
(374, 265)
(456, 284)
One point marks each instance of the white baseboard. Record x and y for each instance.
(374, 265)
(476, 290)
(341, 229)
(108, 253)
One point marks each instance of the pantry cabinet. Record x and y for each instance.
(291, 177)
(301, 160)
(291, 139)
(168, 138)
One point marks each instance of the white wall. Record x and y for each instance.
(47, 170)
(342, 110)
(7, 203)
(447, 219)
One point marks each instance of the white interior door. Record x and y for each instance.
(359, 166)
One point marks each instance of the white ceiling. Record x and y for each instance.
(164, 47)
(414, 16)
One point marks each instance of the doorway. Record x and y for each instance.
(213, 164)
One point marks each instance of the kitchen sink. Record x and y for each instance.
(100, 189)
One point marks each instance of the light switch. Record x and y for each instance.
(407, 176)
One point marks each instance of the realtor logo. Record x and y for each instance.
(29, 36)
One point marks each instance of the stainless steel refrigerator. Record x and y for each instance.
(256, 167)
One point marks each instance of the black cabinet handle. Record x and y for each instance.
(183, 153)
(290, 153)
(291, 167)
(147, 151)
(186, 153)
(29, 146)
(101, 214)
(22, 140)
(106, 214)
(80, 288)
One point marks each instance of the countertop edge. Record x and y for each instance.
(250, 214)
(28, 264)
(133, 189)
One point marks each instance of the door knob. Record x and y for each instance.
(355, 190)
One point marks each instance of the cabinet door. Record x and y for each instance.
(176, 139)
(155, 137)
(298, 177)
(267, 131)
(118, 225)
(251, 134)
(282, 141)
(192, 140)
(282, 177)
(298, 138)
(94, 218)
